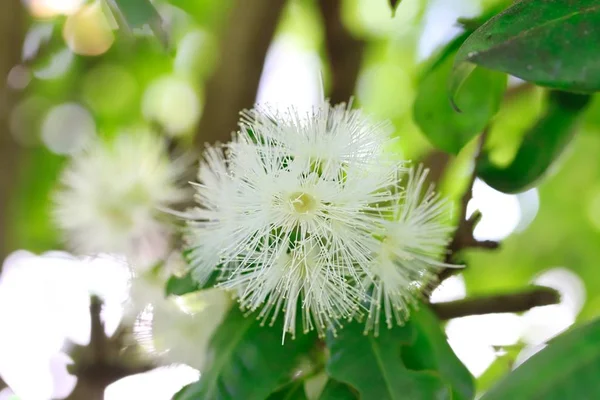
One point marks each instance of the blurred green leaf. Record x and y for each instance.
(335, 390)
(566, 369)
(178, 286)
(541, 146)
(374, 366)
(293, 391)
(499, 368)
(431, 351)
(248, 360)
(138, 13)
(478, 101)
(550, 43)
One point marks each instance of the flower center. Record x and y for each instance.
(303, 202)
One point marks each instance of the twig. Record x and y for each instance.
(12, 30)
(503, 303)
(234, 85)
(344, 52)
(463, 236)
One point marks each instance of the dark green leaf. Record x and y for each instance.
(374, 366)
(478, 100)
(431, 351)
(178, 286)
(567, 369)
(548, 42)
(335, 390)
(541, 146)
(132, 14)
(293, 391)
(248, 360)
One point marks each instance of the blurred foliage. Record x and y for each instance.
(528, 129)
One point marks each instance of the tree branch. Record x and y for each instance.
(234, 85)
(503, 303)
(12, 28)
(344, 52)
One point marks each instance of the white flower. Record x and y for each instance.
(334, 133)
(110, 195)
(176, 330)
(288, 211)
(412, 244)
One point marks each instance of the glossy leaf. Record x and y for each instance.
(566, 369)
(335, 390)
(478, 101)
(541, 146)
(374, 366)
(431, 351)
(547, 42)
(247, 361)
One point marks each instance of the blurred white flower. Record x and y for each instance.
(176, 329)
(410, 249)
(110, 197)
(308, 211)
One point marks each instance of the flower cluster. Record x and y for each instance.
(311, 216)
(110, 197)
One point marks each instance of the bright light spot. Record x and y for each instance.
(67, 128)
(543, 323)
(64, 383)
(51, 8)
(88, 31)
(473, 338)
(52, 298)
(500, 212)
(172, 103)
(19, 77)
(290, 77)
(476, 356)
(26, 120)
(378, 87)
(450, 289)
(7, 394)
(158, 384)
(195, 54)
(59, 64)
(529, 203)
(37, 35)
(100, 85)
(440, 23)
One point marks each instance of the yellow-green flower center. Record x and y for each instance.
(302, 202)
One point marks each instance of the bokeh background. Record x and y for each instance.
(71, 72)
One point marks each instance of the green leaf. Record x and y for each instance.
(542, 145)
(431, 351)
(335, 390)
(134, 14)
(566, 369)
(293, 391)
(547, 42)
(478, 101)
(178, 286)
(248, 360)
(374, 366)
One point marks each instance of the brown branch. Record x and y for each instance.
(103, 361)
(343, 50)
(234, 85)
(12, 27)
(503, 303)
